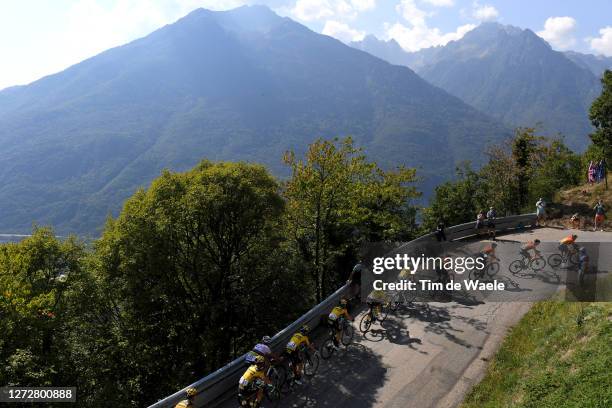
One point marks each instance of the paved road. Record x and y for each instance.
(428, 355)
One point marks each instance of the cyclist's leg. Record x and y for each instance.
(337, 332)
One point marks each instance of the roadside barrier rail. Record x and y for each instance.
(213, 388)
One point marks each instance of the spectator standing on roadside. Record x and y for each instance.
(540, 212)
(480, 220)
(440, 235)
(355, 279)
(599, 215)
(491, 215)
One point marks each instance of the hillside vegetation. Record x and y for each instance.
(559, 355)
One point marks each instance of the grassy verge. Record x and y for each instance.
(559, 355)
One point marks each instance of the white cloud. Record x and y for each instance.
(484, 12)
(421, 36)
(188, 5)
(342, 31)
(440, 3)
(311, 10)
(417, 34)
(411, 13)
(603, 43)
(308, 10)
(363, 5)
(559, 32)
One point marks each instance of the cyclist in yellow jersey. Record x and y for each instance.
(187, 403)
(336, 319)
(295, 348)
(252, 383)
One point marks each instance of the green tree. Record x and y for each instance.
(37, 277)
(456, 202)
(191, 267)
(600, 115)
(337, 199)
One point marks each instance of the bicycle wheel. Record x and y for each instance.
(311, 363)
(394, 303)
(327, 349)
(365, 323)
(516, 266)
(347, 334)
(408, 296)
(492, 269)
(573, 258)
(277, 375)
(537, 264)
(475, 274)
(273, 395)
(555, 260)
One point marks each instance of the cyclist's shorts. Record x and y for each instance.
(490, 224)
(294, 356)
(336, 324)
(599, 218)
(525, 253)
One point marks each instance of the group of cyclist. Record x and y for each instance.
(254, 380)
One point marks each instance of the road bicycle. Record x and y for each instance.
(536, 263)
(346, 337)
(277, 373)
(488, 272)
(564, 257)
(310, 359)
(271, 391)
(377, 312)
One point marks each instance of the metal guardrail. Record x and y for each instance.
(213, 388)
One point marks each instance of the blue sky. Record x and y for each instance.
(40, 37)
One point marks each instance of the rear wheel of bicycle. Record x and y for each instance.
(365, 323)
(537, 264)
(273, 395)
(408, 296)
(492, 269)
(475, 274)
(347, 334)
(394, 303)
(327, 349)
(516, 267)
(555, 260)
(573, 258)
(311, 364)
(278, 375)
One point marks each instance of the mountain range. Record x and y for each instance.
(510, 73)
(243, 84)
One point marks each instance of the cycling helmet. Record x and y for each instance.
(537, 241)
(343, 302)
(582, 250)
(266, 340)
(494, 245)
(574, 236)
(191, 392)
(305, 329)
